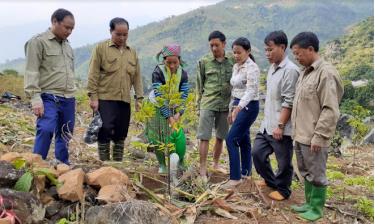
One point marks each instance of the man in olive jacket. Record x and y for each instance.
(113, 71)
(49, 83)
(315, 112)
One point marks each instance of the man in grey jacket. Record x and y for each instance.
(275, 133)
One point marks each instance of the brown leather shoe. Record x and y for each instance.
(275, 195)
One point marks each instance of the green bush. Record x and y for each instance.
(366, 207)
(10, 72)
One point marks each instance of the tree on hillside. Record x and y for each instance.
(10, 72)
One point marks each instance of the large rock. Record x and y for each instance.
(369, 121)
(346, 131)
(113, 193)
(53, 208)
(6, 220)
(36, 160)
(30, 158)
(130, 212)
(137, 154)
(369, 138)
(26, 206)
(90, 195)
(52, 191)
(62, 168)
(8, 174)
(45, 198)
(107, 176)
(65, 211)
(343, 127)
(10, 156)
(72, 189)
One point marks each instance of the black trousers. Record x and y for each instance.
(116, 117)
(264, 146)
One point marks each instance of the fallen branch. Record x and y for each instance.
(346, 213)
(268, 205)
(229, 195)
(201, 197)
(167, 212)
(253, 215)
(285, 217)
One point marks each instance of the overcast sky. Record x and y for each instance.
(21, 19)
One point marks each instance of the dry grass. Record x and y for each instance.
(13, 84)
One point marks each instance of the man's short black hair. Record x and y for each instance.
(60, 14)
(217, 34)
(116, 21)
(305, 40)
(278, 37)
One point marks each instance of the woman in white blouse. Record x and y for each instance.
(244, 111)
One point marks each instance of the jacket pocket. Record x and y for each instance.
(54, 58)
(52, 52)
(210, 72)
(111, 65)
(131, 68)
(309, 92)
(228, 74)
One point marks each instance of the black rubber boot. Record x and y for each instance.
(103, 151)
(118, 151)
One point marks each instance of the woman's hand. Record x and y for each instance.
(176, 117)
(235, 113)
(171, 121)
(229, 118)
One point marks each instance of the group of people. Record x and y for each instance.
(300, 113)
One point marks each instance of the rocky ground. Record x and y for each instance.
(90, 191)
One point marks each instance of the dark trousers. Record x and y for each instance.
(58, 119)
(238, 139)
(264, 146)
(116, 117)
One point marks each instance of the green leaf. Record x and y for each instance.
(19, 163)
(140, 145)
(24, 183)
(63, 221)
(48, 174)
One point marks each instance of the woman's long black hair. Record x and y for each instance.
(245, 44)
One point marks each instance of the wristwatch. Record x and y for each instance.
(281, 126)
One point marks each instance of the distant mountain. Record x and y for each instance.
(253, 19)
(352, 54)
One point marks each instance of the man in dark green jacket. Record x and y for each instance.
(213, 95)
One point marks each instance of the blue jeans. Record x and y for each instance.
(58, 119)
(238, 138)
